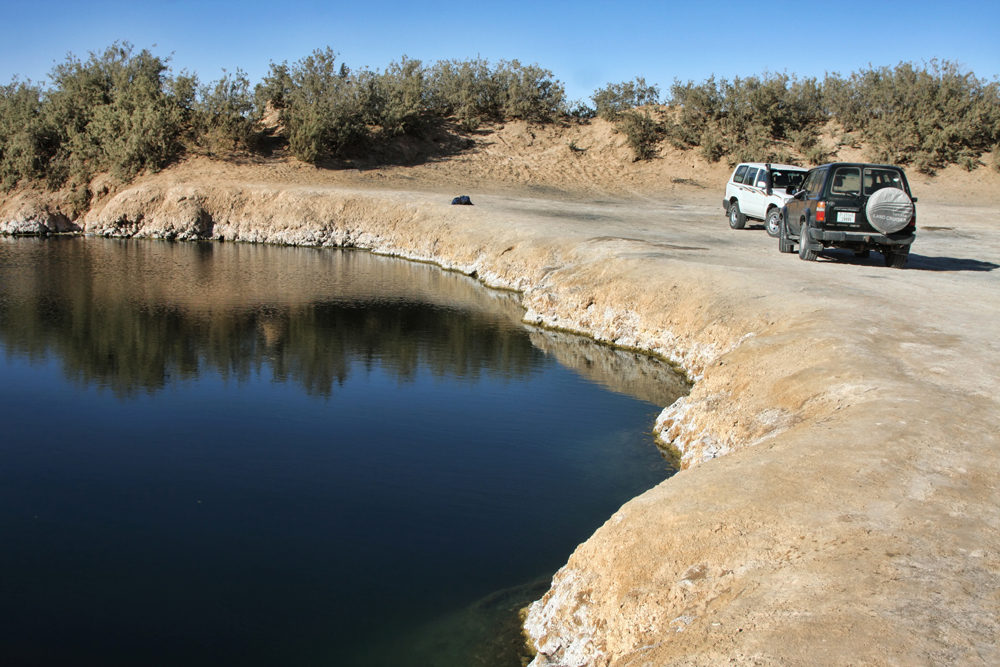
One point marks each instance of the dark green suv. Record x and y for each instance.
(859, 207)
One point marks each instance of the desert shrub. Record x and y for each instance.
(710, 142)
(323, 112)
(472, 89)
(747, 119)
(926, 116)
(529, 92)
(396, 101)
(130, 123)
(274, 88)
(26, 141)
(642, 132)
(577, 109)
(462, 89)
(617, 98)
(111, 113)
(225, 114)
(816, 154)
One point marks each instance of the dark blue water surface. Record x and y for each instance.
(217, 454)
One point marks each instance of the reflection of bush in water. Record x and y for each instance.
(131, 348)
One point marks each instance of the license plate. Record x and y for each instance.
(845, 217)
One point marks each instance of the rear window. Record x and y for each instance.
(846, 182)
(876, 179)
(740, 172)
(782, 179)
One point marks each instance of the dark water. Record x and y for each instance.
(229, 454)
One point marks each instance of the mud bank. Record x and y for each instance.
(855, 518)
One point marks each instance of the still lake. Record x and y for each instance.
(222, 454)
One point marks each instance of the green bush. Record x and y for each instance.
(472, 89)
(617, 98)
(226, 117)
(750, 119)
(323, 113)
(121, 111)
(114, 113)
(26, 141)
(397, 100)
(642, 131)
(926, 116)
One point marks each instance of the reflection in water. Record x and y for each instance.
(234, 454)
(132, 315)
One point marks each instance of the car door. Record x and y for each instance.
(845, 207)
(746, 191)
(757, 196)
(803, 205)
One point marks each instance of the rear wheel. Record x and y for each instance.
(896, 259)
(736, 218)
(773, 223)
(805, 254)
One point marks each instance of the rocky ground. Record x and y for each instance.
(840, 502)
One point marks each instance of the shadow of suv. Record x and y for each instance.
(856, 206)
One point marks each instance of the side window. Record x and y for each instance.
(846, 182)
(750, 176)
(814, 182)
(740, 173)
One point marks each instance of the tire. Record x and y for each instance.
(736, 218)
(773, 223)
(785, 244)
(889, 210)
(896, 259)
(805, 254)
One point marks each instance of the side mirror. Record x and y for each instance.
(790, 190)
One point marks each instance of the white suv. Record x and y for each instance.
(758, 190)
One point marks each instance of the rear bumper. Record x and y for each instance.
(824, 236)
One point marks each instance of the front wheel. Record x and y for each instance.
(773, 223)
(785, 244)
(736, 218)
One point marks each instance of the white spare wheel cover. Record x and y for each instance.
(889, 210)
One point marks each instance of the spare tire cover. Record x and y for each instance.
(889, 210)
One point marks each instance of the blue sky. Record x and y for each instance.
(586, 44)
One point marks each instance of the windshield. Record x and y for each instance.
(782, 179)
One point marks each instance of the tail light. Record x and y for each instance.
(821, 212)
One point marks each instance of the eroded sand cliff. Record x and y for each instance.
(855, 516)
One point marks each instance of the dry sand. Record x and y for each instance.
(841, 500)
